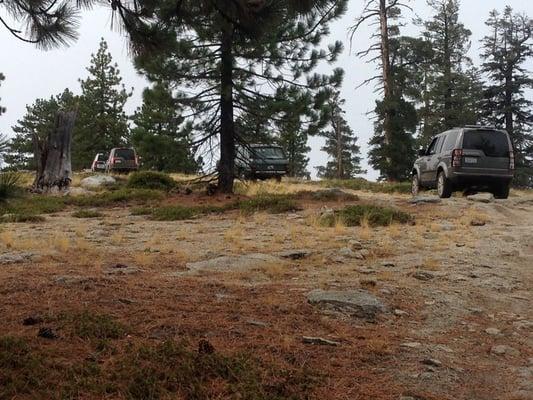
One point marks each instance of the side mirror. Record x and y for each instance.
(422, 152)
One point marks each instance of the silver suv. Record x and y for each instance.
(472, 157)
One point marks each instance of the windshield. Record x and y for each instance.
(492, 143)
(126, 154)
(268, 152)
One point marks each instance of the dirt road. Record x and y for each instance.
(455, 292)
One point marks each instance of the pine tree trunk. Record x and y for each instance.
(226, 168)
(387, 78)
(448, 123)
(52, 155)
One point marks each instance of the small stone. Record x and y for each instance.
(347, 252)
(460, 245)
(257, 323)
(297, 254)
(432, 362)
(492, 331)
(478, 222)
(355, 245)
(411, 345)
(504, 349)
(481, 197)
(319, 341)
(358, 303)
(368, 282)
(400, 313)
(121, 269)
(425, 199)
(423, 275)
(388, 264)
(47, 333)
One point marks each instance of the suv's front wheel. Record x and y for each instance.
(444, 186)
(415, 185)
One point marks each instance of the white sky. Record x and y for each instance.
(32, 73)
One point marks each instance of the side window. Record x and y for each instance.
(433, 146)
(451, 139)
(438, 147)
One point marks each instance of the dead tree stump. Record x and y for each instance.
(52, 155)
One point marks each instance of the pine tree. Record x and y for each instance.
(160, 135)
(102, 123)
(341, 144)
(392, 146)
(47, 23)
(505, 51)
(227, 58)
(39, 120)
(452, 76)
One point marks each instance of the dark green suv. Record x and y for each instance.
(261, 161)
(468, 158)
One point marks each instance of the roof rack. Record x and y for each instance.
(480, 126)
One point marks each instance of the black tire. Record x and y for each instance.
(444, 186)
(501, 191)
(415, 185)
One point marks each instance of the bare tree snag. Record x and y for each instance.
(52, 155)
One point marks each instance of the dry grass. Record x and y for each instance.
(271, 187)
(7, 239)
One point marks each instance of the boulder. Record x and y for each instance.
(425, 199)
(235, 263)
(481, 197)
(15, 257)
(97, 181)
(359, 303)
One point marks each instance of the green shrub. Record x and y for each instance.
(151, 180)
(124, 195)
(373, 215)
(174, 213)
(10, 183)
(275, 204)
(87, 214)
(142, 210)
(21, 218)
(89, 325)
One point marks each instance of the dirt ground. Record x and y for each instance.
(456, 285)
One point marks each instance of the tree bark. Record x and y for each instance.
(52, 155)
(387, 77)
(226, 168)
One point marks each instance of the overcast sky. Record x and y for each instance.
(32, 73)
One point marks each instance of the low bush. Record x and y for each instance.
(89, 325)
(174, 213)
(372, 215)
(87, 214)
(275, 204)
(124, 195)
(10, 185)
(151, 180)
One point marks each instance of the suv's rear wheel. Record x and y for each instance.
(415, 185)
(501, 191)
(444, 186)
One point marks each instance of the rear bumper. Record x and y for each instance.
(268, 174)
(462, 178)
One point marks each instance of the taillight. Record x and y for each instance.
(114, 160)
(457, 155)
(511, 160)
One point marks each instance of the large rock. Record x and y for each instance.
(97, 181)
(15, 257)
(235, 263)
(77, 191)
(359, 303)
(481, 197)
(425, 199)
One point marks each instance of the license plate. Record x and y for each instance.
(471, 160)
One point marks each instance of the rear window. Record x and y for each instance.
(268, 152)
(126, 154)
(492, 143)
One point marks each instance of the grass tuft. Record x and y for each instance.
(151, 180)
(87, 214)
(363, 184)
(362, 215)
(89, 325)
(10, 185)
(275, 204)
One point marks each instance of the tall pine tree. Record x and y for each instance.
(229, 57)
(341, 143)
(452, 83)
(505, 51)
(160, 136)
(102, 122)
